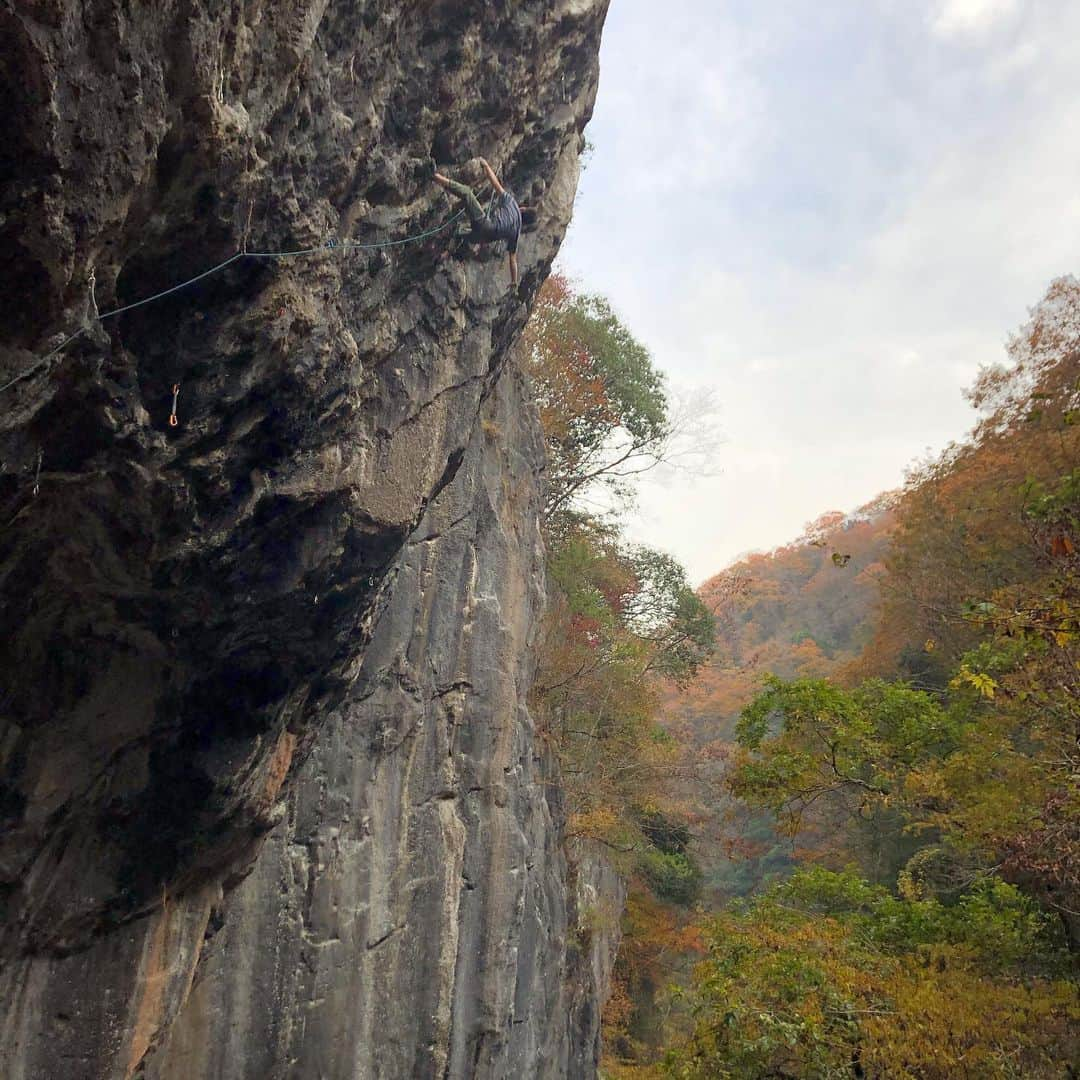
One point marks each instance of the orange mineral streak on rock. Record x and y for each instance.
(152, 979)
(163, 961)
(278, 767)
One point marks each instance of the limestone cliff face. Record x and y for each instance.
(411, 917)
(313, 598)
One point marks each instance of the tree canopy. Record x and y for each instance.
(603, 403)
(830, 976)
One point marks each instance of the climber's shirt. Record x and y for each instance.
(502, 222)
(505, 220)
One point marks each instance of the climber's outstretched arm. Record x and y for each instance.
(492, 177)
(513, 269)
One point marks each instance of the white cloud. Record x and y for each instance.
(958, 17)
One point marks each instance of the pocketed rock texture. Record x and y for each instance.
(187, 610)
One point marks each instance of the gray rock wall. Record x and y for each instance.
(411, 917)
(187, 610)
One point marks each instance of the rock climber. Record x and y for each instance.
(501, 222)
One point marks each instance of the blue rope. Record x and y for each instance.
(330, 245)
(285, 254)
(175, 288)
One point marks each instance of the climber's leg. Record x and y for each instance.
(466, 195)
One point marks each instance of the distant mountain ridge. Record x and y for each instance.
(805, 609)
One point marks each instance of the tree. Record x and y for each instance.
(962, 531)
(620, 616)
(1012, 794)
(985, 572)
(809, 740)
(829, 976)
(667, 613)
(603, 403)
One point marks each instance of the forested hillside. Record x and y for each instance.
(808, 608)
(805, 609)
(895, 706)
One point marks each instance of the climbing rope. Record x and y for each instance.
(329, 245)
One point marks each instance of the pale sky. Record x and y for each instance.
(830, 213)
